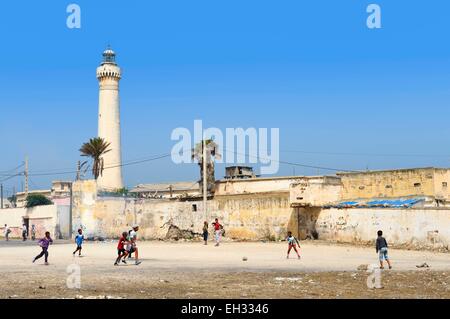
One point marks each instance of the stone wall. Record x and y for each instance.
(396, 183)
(52, 218)
(416, 228)
(245, 217)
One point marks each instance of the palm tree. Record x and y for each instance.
(96, 148)
(212, 150)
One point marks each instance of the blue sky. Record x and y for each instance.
(343, 96)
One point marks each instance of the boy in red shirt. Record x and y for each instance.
(217, 231)
(121, 251)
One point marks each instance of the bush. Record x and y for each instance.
(37, 200)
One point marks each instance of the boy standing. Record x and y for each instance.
(217, 231)
(24, 232)
(79, 238)
(292, 242)
(7, 231)
(205, 232)
(44, 243)
(382, 250)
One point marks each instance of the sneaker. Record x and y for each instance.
(299, 257)
(46, 263)
(390, 267)
(34, 260)
(116, 264)
(138, 263)
(124, 261)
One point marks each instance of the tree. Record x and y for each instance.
(37, 200)
(212, 150)
(96, 148)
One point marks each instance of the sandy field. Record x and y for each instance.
(191, 270)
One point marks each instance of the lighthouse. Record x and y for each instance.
(109, 75)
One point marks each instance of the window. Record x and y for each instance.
(417, 184)
(62, 187)
(362, 187)
(194, 207)
(444, 184)
(388, 186)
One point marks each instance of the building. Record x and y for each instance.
(7, 203)
(167, 190)
(428, 186)
(109, 75)
(60, 192)
(233, 172)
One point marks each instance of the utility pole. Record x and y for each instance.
(78, 170)
(1, 196)
(14, 204)
(70, 210)
(205, 182)
(26, 176)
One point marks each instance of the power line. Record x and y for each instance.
(10, 177)
(7, 172)
(364, 154)
(105, 168)
(294, 164)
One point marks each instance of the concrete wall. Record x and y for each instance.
(255, 216)
(315, 191)
(255, 185)
(52, 218)
(395, 183)
(410, 227)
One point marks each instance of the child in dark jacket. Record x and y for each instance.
(382, 250)
(44, 243)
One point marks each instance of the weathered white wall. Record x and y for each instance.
(254, 216)
(52, 218)
(413, 227)
(315, 192)
(254, 185)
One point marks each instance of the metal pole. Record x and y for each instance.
(26, 176)
(78, 170)
(205, 182)
(1, 196)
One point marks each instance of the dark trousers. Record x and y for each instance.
(44, 252)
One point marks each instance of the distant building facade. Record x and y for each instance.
(239, 172)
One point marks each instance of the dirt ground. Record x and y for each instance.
(191, 270)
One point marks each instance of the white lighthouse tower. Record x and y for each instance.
(108, 75)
